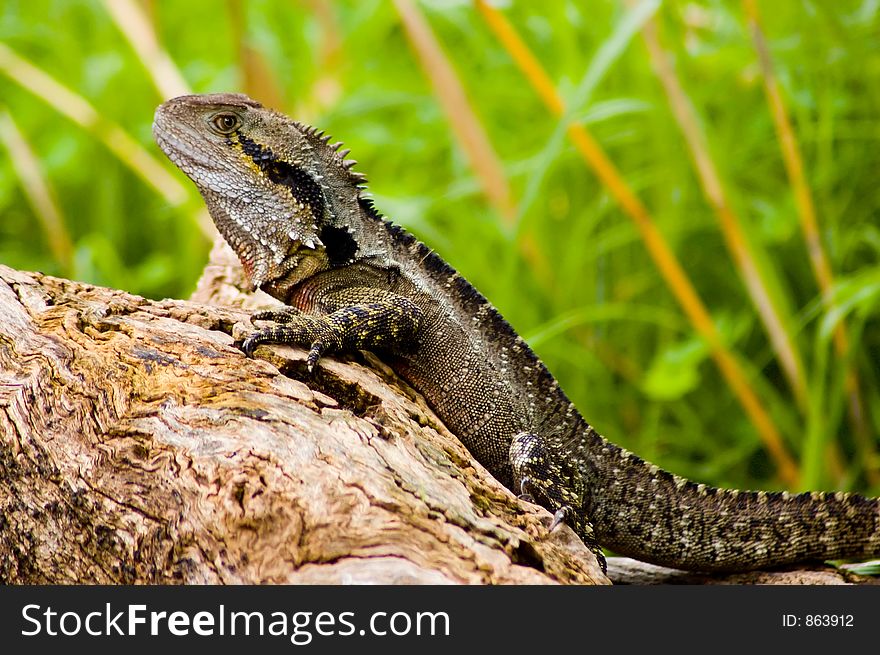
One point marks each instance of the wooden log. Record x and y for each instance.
(138, 445)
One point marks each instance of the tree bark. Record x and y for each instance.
(139, 445)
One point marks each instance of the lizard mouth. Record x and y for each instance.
(301, 262)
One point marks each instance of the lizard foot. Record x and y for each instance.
(284, 335)
(295, 328)
(305, 332)
(540, 473)
(285, 315)
(388, 323)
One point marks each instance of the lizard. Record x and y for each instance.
(298, 217)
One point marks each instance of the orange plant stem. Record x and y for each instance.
(665, 260)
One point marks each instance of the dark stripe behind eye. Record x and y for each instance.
(303, 186)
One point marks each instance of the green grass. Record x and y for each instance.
(605, 323)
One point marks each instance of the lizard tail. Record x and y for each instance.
(652, 515)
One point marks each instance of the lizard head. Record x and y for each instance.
(271, 184)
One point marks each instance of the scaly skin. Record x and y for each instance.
(293, 210)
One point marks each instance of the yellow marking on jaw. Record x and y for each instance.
(252, 164)
(248, 160)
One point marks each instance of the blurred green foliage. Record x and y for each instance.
(606, 324)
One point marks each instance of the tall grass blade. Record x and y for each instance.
(777, 326)
(794, 166)
(137, 29)
(78, 109)
(327, 87)
(256, 76)
(38, 192)
(608, 53)
(467, 128)
(461, 117)
(663, 256)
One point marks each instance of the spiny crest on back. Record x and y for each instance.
(322, 140)
(251, 164)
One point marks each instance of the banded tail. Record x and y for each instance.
(652, 515)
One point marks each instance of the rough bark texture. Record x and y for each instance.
(138, 445)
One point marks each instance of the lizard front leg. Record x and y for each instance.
(540, 478)
(358, 318)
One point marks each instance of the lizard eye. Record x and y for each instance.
(226, 123)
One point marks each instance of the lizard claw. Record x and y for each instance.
(317, 349)
(254, 339)
(559, 518)
(284, 315)
(249, 344)
(524, 491)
